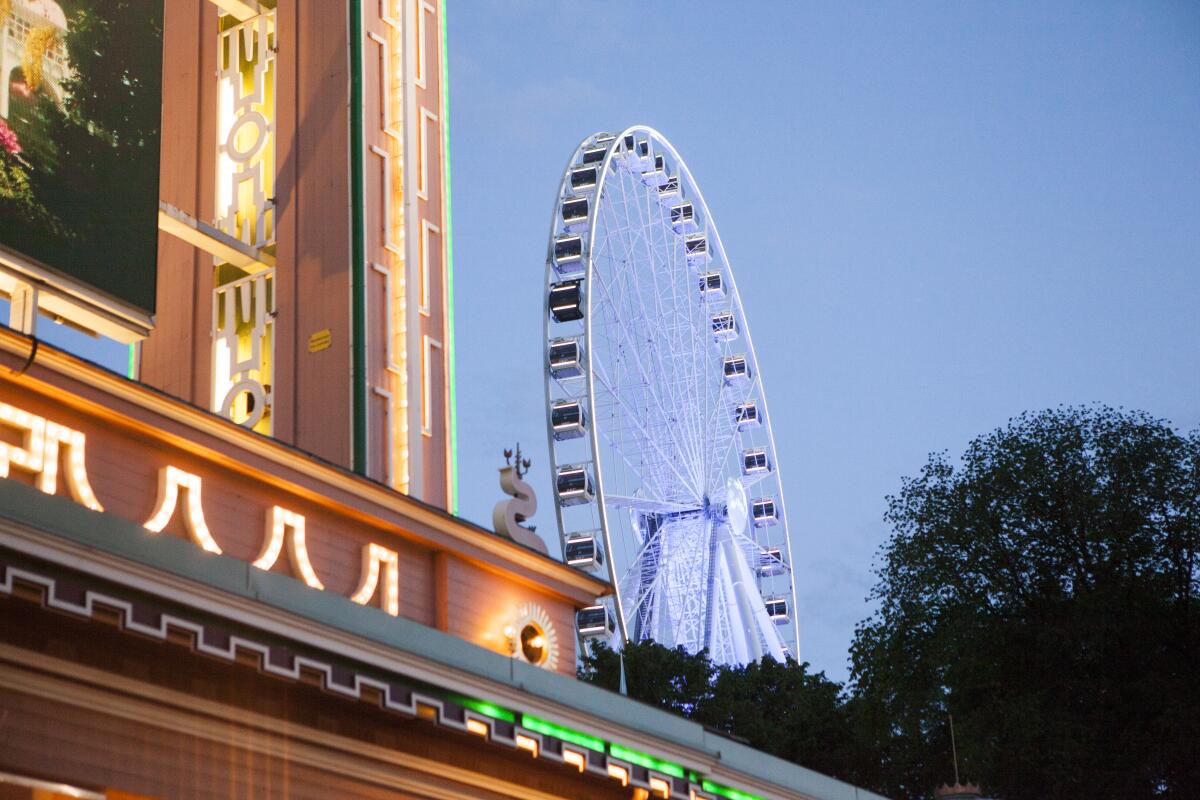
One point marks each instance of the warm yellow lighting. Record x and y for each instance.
(533, 644)
(38, 453)
(170, 481)
(278, 522)
(33, 445)
(478, 727)
(660, 786)
(617, 772)
(640, 794)
(373, 555)
(527, 743)
(574, 758)
(531, 637)
(77, 480)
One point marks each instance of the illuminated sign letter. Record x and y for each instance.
(373, 555)
(170, 481)
(38, 453)
(279, 520)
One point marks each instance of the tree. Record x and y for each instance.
(782, 709)
(785, 710)
(1044, 592)
(668, 678)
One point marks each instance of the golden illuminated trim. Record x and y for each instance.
(170, 481)
(391, 150)
(374, 555)
(33, 440)
(38, 453)
(478, 727)
(660, 786)
(619, 773)
(279, 520)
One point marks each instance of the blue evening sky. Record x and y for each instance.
(939, 215)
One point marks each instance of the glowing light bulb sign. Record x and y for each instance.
(42, 441)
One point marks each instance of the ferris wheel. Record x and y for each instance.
(664, 465)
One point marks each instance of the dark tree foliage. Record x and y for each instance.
(670, 679)
(1044, 592)
(782, 709)
(787, 711)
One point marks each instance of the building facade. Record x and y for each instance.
(304, 276)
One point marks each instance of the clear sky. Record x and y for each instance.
(939, 215)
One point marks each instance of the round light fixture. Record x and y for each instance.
(532, 638)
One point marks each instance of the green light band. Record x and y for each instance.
(453, 399)
(726, 791)
(487, 709)
(647, 761)
(132, 370)
(566, 734)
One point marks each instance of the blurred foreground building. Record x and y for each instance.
(236, 570)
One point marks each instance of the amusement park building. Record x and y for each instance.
(236, 571)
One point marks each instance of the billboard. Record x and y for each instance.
(80, 109)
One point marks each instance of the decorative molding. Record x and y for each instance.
(286, 662)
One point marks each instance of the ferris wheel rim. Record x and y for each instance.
(598, 457)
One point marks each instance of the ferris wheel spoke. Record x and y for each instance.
(624, 328)
(669, 320)
(632, 419)
(647, 505)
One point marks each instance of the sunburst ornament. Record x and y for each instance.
(532, 638)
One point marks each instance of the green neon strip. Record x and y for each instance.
(643, 760)
(726, 791)
(566, 734)
(358, 306)
(449, 266)
(131, 372)
(487, 709)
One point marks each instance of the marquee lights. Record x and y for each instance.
(279, 522)
(38, 453)
(374, 555)
(170, 481)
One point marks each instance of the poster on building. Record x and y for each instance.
(80, 109)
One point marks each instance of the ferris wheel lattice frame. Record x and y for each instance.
(661, 449)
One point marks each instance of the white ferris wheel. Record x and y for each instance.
(660, 442)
